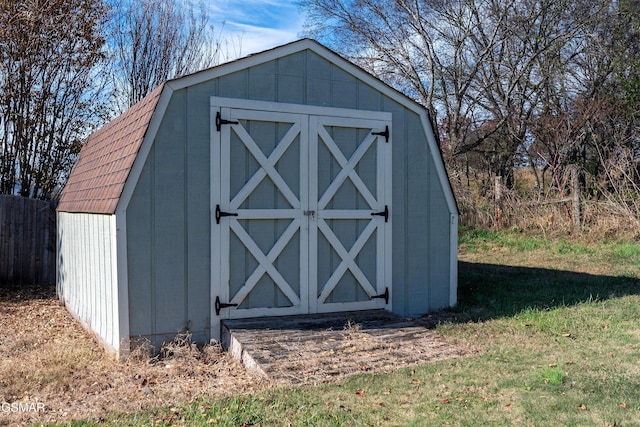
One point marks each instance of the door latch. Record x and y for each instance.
(312, 214)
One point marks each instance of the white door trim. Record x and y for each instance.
(308, 210)
(311, 110)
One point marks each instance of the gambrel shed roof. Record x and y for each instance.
(104, 164)
(106, 160)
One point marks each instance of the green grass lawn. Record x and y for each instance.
(557, 326)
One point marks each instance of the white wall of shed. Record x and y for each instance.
(87, 279)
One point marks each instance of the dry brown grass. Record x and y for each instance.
(45, 356)
(525, 209)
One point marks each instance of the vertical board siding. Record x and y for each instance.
(291, 79)
(198, 223)
(234, 85)
(85, 262)
(318, 81)
(168, 228)
(369, 98)
(169, 220)
(262, 81)
(140, 254)
(27, 241)
(343, 89)
(420, 257)
(440, 238)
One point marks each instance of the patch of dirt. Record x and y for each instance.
(47, 360)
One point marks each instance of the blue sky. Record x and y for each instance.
(251, 26)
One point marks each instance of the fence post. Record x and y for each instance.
(498, 196)
(575, 197)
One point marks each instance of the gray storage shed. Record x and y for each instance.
(287, 182)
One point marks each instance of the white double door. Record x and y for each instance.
(301, 209)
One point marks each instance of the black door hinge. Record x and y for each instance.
(384, 296)
(384, 213)
(385, 133)
(220, 305)
(220, 121)
(220, 214)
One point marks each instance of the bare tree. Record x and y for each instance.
(474, 61)
(156, 40)
(50, 96)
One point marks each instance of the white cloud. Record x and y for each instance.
(243, 39)
(252, 26)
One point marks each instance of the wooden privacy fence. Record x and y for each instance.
(27, 241)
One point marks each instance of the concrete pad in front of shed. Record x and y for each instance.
(324, 347)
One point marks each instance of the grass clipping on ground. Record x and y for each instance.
(46, 356)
